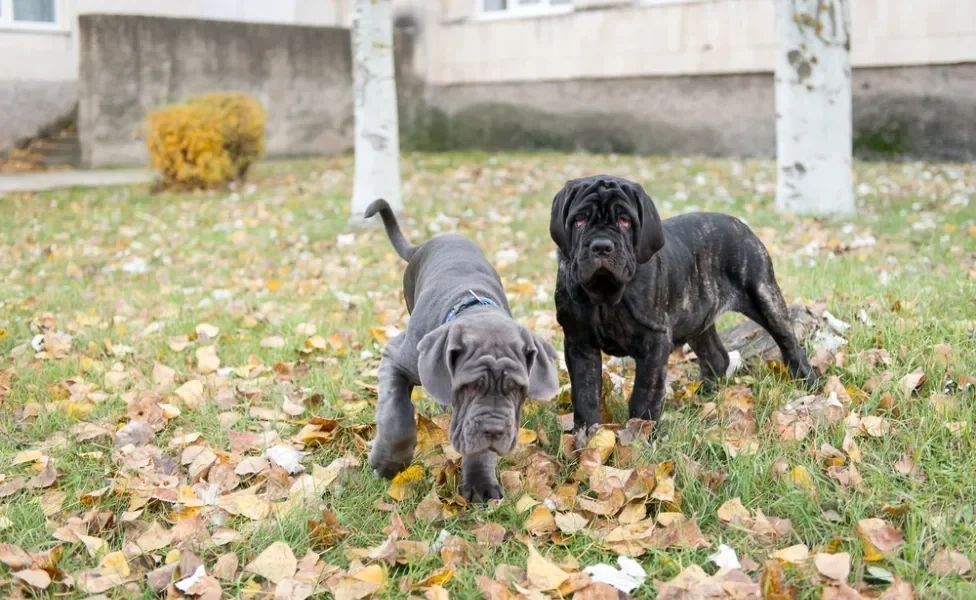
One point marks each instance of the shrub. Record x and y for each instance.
(207, 141)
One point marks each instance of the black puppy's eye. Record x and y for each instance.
(580, 221)
(623, 221)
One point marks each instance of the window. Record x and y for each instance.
(522, 8)
(29, 14)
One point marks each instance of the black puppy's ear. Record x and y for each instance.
(540, 363)
(649, 235)
(558, 228)
(439, 351)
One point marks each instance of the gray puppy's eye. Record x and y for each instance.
(580, 221)
(623, 221)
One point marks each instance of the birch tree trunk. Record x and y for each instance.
(813, 107)
(377, 149)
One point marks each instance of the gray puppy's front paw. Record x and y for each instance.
(482, 489)
(385, 463)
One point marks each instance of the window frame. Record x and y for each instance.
(8, 22)
(543, 9)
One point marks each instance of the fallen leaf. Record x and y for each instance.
(491, 589)
(879, 538)
(542, 574)
(949, 562)
(191, 393)
(540, 521)
(400, 485)
(275, 563)
(36, 578)
(627, 578)
(490, 534)
(360, 585)
(733, 510)
(794, 554)
(226, 566)
(571, 523)
(911, 382)
(835, 566)
(14, 557)
(725, 558)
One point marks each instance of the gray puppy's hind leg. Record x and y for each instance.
(396, 429)
(479, 482)
(770, 312)
(713, 360)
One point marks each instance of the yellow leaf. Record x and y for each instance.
(27, 456)
(542, 574)
(526, 436)
(604, 441)
(272, 285)
(541, 521)
(116, 562)
(79, 410)
(525, 503)
(379, 334)
(3, 334)
(400, 485)
(802, 478)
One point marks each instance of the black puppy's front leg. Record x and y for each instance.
(586, 380)
(650, 381)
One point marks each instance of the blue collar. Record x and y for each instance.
(470, 300)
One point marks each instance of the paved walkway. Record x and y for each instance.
(51, 180)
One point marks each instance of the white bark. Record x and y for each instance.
(813, 107)
(374, 87)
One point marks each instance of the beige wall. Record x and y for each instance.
(52, 55)
(617, 38)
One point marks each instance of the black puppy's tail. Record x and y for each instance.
(403, 247)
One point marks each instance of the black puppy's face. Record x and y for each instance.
(605, 227)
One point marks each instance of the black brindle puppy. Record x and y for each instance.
(630, 285)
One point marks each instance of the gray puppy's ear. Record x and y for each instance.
(540, 363)
(439, 351)
(648, 235)
(558, 227)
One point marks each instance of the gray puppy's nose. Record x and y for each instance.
(601, 246)
(493, 432)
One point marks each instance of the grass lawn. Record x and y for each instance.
(152, 348)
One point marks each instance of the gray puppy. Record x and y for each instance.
(464, 348)
(630, 285)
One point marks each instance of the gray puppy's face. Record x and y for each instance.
(605, 227)
(485, 368)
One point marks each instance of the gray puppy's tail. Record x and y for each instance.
(403, 247)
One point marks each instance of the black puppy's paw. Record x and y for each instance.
(482, 490)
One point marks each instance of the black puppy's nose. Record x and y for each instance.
(601, 246)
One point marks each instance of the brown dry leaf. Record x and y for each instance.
(326, 533)
(834, 386)
(491, 589)
(693, 583)
(36, 578)
(14, 557)
(794, 554)
(275, 563)
(899, 590)
(835, 566)
(597, 591)
(115, 562)
(293, 589)
(490, 534)
(733, 510)
(879, 538)
(436, 592)
(226, 566)
(97, 581)
(847, 477)
(540, 521)
(875, 426)
(571, 523)
(542, 574)
(773, 584)
(429, 509)
(949, 562)
(911, 382)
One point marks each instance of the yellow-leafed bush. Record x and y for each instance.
(206, 142)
